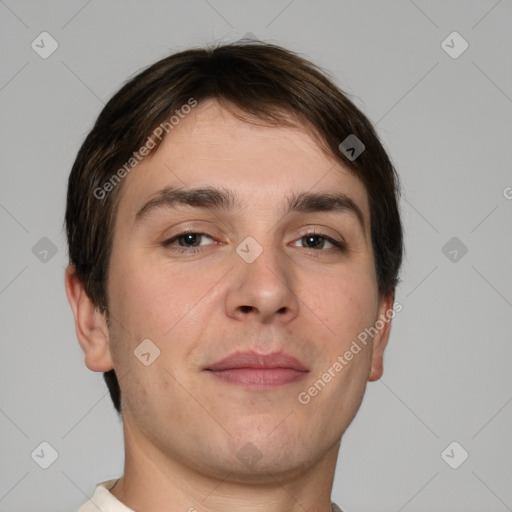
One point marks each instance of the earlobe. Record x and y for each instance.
(376, 370)
(383, 324)
(90, 325)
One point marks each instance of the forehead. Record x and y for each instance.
(262, 163)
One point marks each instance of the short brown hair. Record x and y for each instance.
(260, 79)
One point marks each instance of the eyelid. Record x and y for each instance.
(327, 233)
(322, 231)
(190, 229)
(338, 244)
(184, 232)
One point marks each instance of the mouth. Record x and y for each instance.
(253, 370)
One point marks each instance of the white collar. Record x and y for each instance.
(104, 501)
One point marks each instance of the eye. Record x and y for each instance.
(188, 241)
(317, 241)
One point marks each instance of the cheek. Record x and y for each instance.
(346, 303)
(151, 299)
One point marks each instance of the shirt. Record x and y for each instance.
(105, 501)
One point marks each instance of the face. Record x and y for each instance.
(257, 276)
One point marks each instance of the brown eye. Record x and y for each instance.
(189, 238)
(317, 241)
(188, 241)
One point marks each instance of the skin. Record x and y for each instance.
(183, 427)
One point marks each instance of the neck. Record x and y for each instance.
(155, 481)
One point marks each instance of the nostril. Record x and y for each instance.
(247, 309)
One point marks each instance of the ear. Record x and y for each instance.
(90, 325)
(380, 341)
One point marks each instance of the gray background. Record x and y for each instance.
(447, 125)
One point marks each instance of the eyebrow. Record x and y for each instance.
(218, 198)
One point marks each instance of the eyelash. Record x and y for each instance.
(338, 245)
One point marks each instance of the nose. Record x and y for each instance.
(262, 289)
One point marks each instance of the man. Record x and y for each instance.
(235, 243)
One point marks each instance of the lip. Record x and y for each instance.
(253, 370)
(255, 360)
